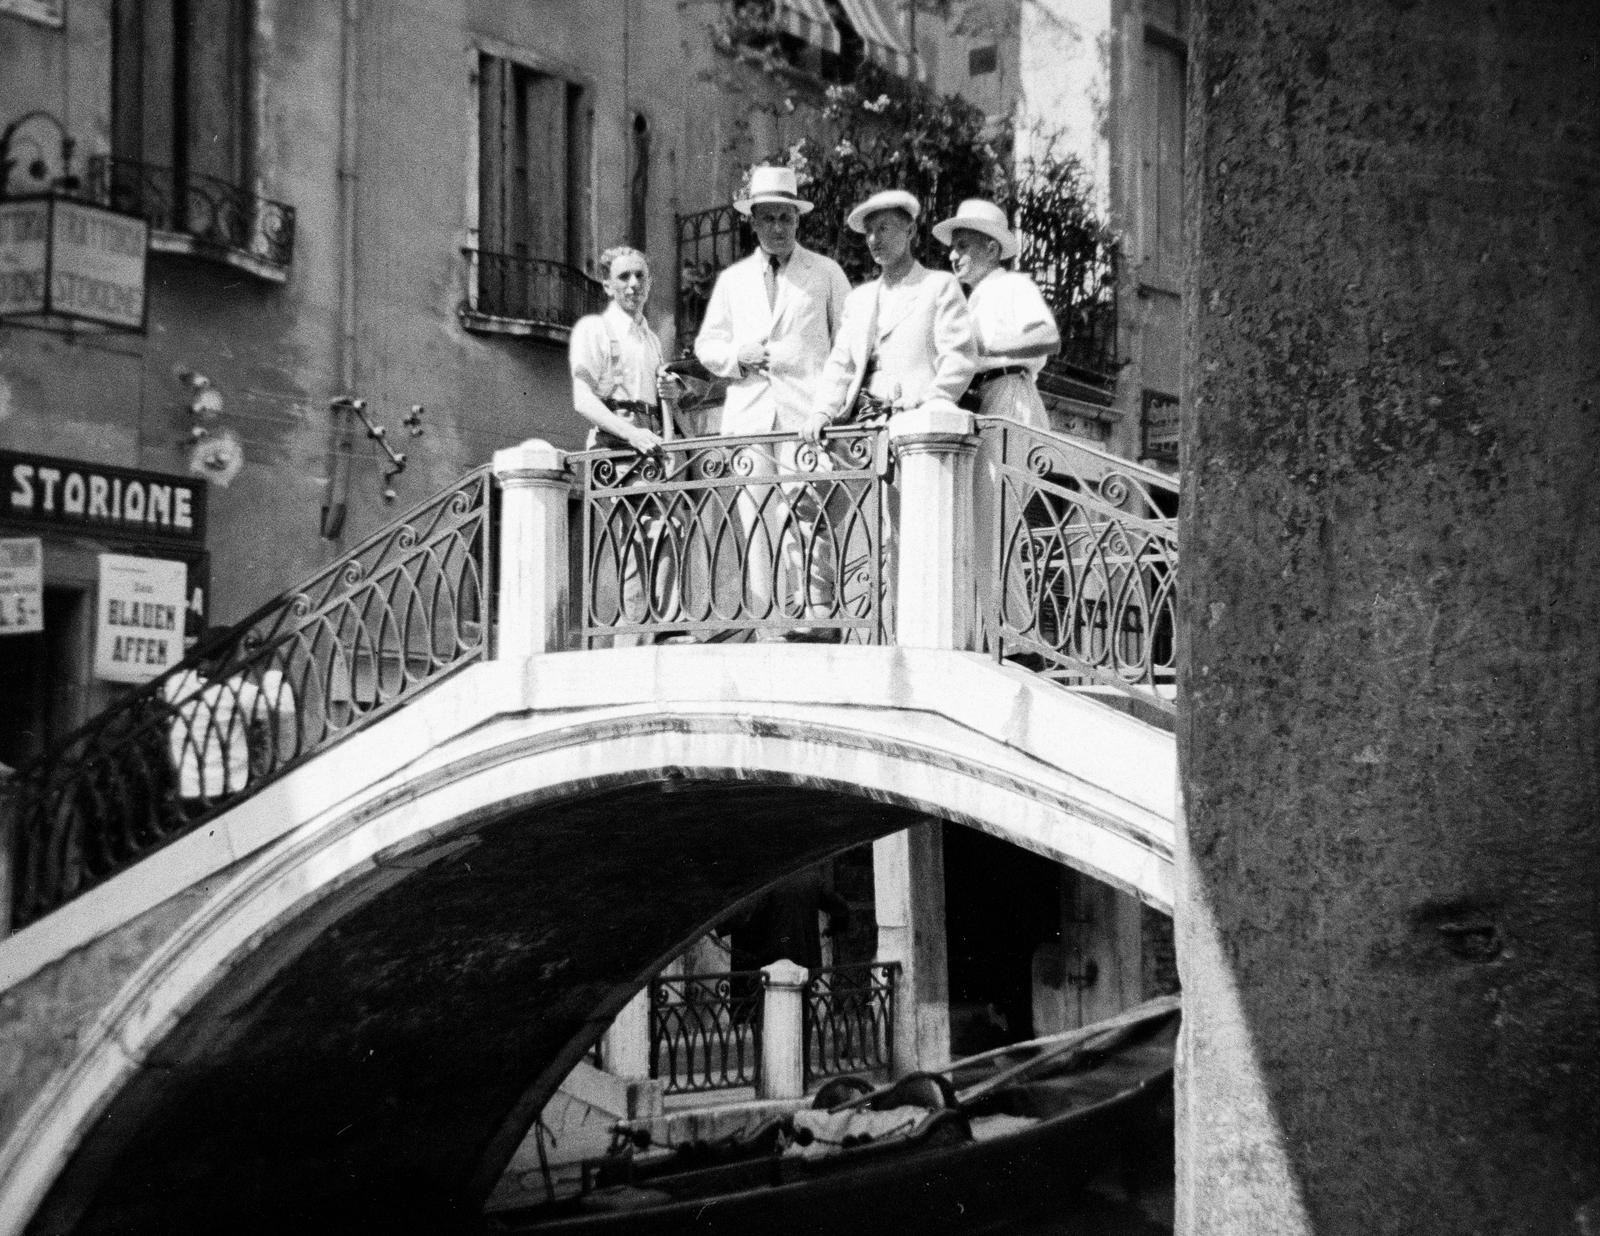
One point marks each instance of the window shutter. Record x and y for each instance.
(1161, 207)
(496, 138)
(545, 188)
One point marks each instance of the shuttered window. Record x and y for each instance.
(1161, 166)
(181, 87)
(535, 133)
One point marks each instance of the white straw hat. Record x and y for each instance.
(888, 199)
(772, 184)
(977, 215)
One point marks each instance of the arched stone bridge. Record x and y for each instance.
(341, 998)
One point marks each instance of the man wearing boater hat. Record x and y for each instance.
(907, 338)
(1016, 330)
(768, 327)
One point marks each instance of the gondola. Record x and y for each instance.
(1031, 1123)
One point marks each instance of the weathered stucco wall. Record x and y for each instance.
(274, 350)
(1388, 926)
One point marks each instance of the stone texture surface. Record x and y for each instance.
(1387, 913)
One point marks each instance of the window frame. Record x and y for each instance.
(471, 234)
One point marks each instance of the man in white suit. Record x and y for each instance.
(907, 338)
(768, 328)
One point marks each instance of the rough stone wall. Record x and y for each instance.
(1388, 917)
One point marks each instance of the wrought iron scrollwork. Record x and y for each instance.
(360, 638)
(734, 537)
(214, 213)
(526, 289)
(1081, 563)
(705, 1030)
(848, 1020)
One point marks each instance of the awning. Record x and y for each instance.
(808, 20)
(880, 33)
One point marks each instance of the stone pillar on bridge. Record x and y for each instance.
(908, 885)
(535, 489)
(1389, 728)
(935, 601)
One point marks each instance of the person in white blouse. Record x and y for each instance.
(768, 328)
(1016, 330)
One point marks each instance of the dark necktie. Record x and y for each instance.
(772, 280)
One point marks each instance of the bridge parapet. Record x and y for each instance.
(929, 532)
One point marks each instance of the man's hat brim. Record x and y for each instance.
(745, 204)
(945, 233)
(889, 199)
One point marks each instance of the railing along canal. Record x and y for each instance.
(736, 538)
(1084, 555)
(848, 1020)
(706, 1029)
(359, 639)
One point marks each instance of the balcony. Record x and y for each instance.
(199, 215)
(508, 294)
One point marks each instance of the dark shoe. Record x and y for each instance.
(813, 635)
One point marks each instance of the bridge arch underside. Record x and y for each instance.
(378, 1058)
(358, 1025)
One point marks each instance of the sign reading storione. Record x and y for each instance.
(70, 259)
(40, 490)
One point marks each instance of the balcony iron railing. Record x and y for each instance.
(215, 216)
(1082, 554)
(1078, 277)
(543, 294)
(709, 241)
(362, 637)
(736, 537)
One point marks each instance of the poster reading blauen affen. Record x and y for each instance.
(139, 617)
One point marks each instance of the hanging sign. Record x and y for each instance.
(21, 585)
(139, 617)
(65, 259)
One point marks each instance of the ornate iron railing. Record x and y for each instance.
(525, 289)
(705, 1030)
(848, 1020)
(736, 538)
(360, 638)
(1081, 550)
(215, 214)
